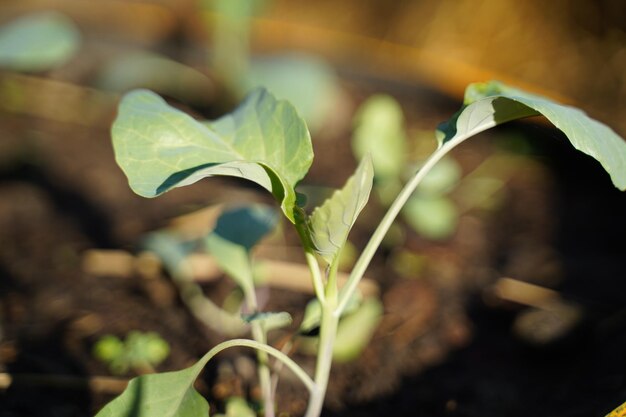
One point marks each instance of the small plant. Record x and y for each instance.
(380, 130)
(308, 82)
(139, 352)
(265, 141)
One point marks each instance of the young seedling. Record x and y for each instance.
(266, 142)
(380, 130)
(139, 352)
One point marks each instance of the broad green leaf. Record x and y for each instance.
(38, 42)
(431, 217)
(493, 103)
(379, 131)
(237, 230)
(233, 259)
(246, 225)
(169, 394)
(356, 330)
(160, 148)
(330, 224)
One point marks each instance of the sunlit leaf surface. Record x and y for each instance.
(168, 394)
(493, 103)
(161, 148)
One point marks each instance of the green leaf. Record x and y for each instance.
(330, 224)
(160, 148)
(146, 347)
(246, 225)
(434, 218)
(107, 348)
(38, 42)
(270, 320)
(137, 350)
(169, 394)
(313, 313)
(442, 178)
(237, 407)
(233, 259)
(307, 82)
(356, 330)
(142, 69)
(379, 131)
(237, 230)
(493, 103)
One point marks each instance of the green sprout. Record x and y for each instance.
(265, 141)
(138, 352)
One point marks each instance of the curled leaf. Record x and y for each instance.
(330, 224)
(160, 148)
(493, 103)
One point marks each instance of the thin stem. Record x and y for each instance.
(311, 260)
(265, 378)
(368, 253)
(278, 367)
(260, 335)
(168, 249)
(328, 333)
(316, 275)
(295, 368)
(327, 296)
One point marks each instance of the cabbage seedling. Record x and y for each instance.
(265, 141)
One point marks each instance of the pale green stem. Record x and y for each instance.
(311, 260)
(318, 282)
(328, 332)
(295, 368)
(278, 367)
(168, 249)
(260, 335)
(265, 378)
(368, 253)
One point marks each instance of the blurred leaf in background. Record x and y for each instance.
(142, 69)
(139, 352)
(38, 42)
(306, 81)
(309, 83)
(380, 130)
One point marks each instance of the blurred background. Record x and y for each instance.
(70, 229)
(573, 49)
